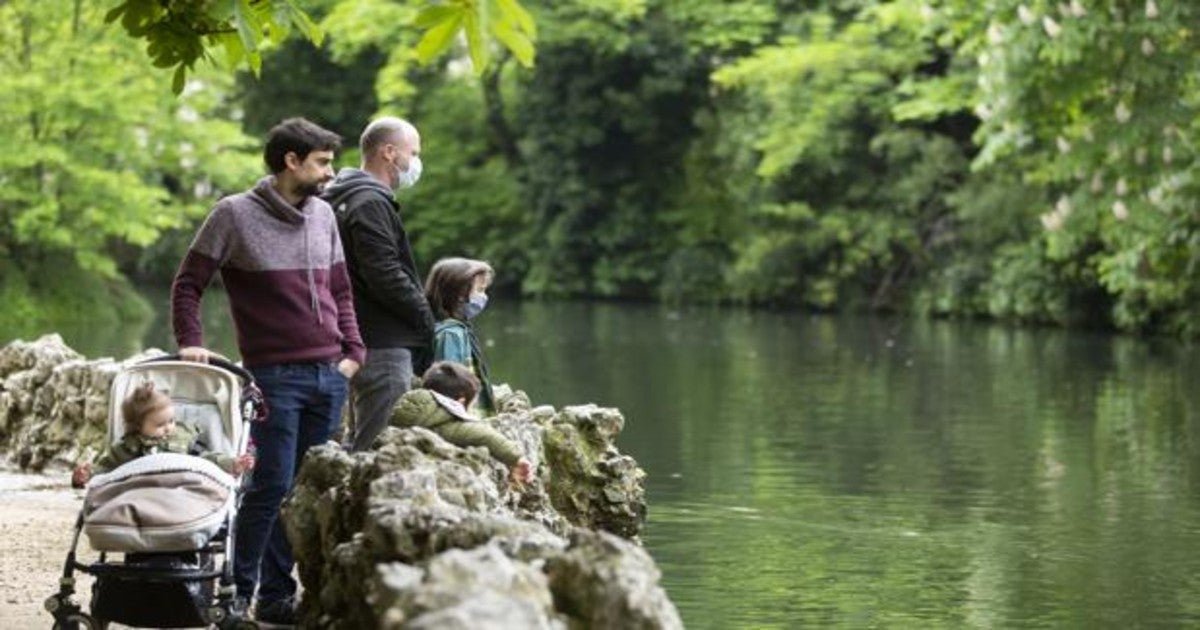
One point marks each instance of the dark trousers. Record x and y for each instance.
(305, 402)
(374, 391)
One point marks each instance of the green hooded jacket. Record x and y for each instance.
(447, 418)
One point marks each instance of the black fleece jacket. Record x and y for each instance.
(388, 298)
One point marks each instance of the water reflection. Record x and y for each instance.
(860, 472)
(855, 472)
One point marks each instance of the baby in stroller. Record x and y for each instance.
(150, 427)
(167, 512)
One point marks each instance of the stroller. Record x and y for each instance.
(170, 514)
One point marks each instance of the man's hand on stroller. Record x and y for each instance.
(195, 353)
(81, 475)
(243, 463)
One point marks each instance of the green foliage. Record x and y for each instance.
(60, 295)
(344, 104)
(178, 33)
(505, 20)
(1026, 160)
(1094, 106)
(97, 155)
(603, 132)
(845, 204)
(468, 202)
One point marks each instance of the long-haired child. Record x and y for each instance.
(457, 292)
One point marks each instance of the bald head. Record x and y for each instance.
(385, 131)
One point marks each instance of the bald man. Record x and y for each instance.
(393, 315)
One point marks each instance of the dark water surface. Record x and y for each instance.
(851, 472)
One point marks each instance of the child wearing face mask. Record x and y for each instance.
(149, 419)
(457, 293)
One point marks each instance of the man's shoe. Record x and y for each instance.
(279, 612)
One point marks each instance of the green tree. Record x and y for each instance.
(179, 33)
(97, 156)
(94, 152)
(605, 129)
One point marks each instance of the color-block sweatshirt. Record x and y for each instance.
(285, 274)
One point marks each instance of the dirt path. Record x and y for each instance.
(37, 513)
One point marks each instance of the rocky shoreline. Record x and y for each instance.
(418, 533)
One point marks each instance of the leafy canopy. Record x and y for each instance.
(178, 33)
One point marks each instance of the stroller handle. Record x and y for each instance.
(224, 364)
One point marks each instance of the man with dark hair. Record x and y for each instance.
(393, 315)
(277, 249)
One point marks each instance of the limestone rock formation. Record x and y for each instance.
(54, 401)
(419, 533)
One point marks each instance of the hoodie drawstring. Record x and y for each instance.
(308, 263)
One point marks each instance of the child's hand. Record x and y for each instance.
(522, 471)
(81, 475)
(243, 463)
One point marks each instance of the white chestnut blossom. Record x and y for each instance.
(1050, 26)
(1052, 221)
(1122, 113)
(1119, 210)
(1025, 15)
(995, 33)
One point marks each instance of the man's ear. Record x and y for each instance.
(291, 160)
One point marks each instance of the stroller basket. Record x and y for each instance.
(178, 587)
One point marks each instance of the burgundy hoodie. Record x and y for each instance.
(285, 273)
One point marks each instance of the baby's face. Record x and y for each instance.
(159, 423)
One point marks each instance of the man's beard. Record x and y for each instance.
(311, 189)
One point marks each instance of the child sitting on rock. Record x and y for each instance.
(441, 406)
(149, 418)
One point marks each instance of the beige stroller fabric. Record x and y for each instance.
(162, 503)
(205, 397)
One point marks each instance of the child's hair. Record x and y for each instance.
(449, 284)
(452, 380)
(143, 400)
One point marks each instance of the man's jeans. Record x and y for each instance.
(375, 390)
(305, 405)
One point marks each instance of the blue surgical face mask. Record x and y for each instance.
(476, 302)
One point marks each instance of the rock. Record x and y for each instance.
(420, 533)
(596, 486)
(607, 582)
(54, 402)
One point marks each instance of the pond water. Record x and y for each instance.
(850, 472)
